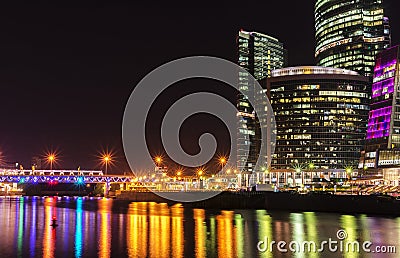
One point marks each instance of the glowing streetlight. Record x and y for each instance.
(200, 172)
(158, 160)
(51, 158)
(222, 162)
(349, 171)
(106, 159)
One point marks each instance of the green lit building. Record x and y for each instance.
(349, 34)
(321, 116)
(258, 54)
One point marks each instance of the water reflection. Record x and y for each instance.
(105, 228)
(90, 228)
(264, 230)
(239, 233)
(199, 233)
(177, 231)
(159, 230)
(137, 230)
(78, 228)
(312, 232)
(226, 239)
(32, 232)
(297, 221)
(349, 224)
(20, 225)
(49, 238)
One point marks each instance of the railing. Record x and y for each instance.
(60, 176)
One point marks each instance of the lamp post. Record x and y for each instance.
(179, 174)
(222, 162)
(50, 159)
(200, 173)
(158, 161)
(106, 160)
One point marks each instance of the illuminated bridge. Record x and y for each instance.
(60, 176)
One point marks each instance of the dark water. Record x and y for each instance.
(109, 228)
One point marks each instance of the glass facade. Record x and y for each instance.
(258, 54)
(321, 116)
(349, 34)
(383, 133)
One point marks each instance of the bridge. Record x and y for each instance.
(60, 176)
(154, 182)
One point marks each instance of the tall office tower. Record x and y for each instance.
(321, 116)
(383, 133)
(349, 34)
(258, 54)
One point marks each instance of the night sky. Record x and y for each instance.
(67, 70)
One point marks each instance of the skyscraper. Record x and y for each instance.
(383, 133)
(349, 34)
(321, 115)
(258, 54)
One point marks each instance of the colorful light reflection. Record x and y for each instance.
(78, 228)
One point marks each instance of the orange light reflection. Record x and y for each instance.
(49, 238)
(226, 241)
(137, 229)
(105, 228)
(199, 233)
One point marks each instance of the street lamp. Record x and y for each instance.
(158, 160)
(179, 174)
(200, 173)
(106, 159)
(222, 162)
(51, 158)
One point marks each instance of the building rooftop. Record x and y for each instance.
(258, 33)
(301, 70)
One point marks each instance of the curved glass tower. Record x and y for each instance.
(259, 54)
(349, 34)
(321, 116)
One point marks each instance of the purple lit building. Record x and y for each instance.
(383, 132)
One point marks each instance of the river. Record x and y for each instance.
(100, 227)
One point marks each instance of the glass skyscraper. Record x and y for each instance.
(258, 54)
(383, 134)
(321, 116)
(349, 34)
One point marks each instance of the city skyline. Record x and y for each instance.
(200, 129)
(67, 72)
